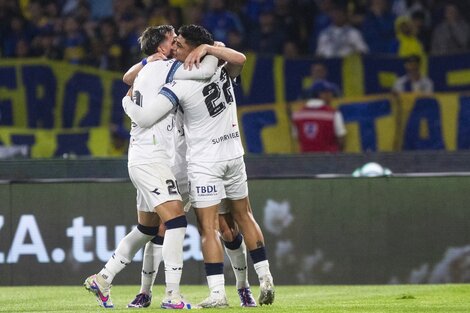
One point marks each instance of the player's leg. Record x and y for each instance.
(236, 188)
(207, 219)
(206, 191)
(236, 251)
(150, 264)
(243, 215)
(172, 214)
(162, 193)
(100, 284)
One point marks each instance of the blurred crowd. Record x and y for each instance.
(103, 33)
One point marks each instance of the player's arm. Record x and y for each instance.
(235, 60)
(147, 115)
(131, 73)
(205, 70)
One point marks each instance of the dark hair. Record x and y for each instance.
(152, 37)
(196, 35)
(413, 58)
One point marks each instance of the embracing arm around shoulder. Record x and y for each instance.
(235, 60)
(131, 73)
(147, 115)
(206, 69)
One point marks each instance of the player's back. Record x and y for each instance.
(210, 117)
(155, 144)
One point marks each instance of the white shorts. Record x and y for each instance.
(209, 183)
(224, 207)
(155, 184)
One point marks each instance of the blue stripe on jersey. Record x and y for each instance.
(170, 95)
(171, 73)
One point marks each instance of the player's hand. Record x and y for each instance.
(156, 56)
(194, 58)
(219, 44)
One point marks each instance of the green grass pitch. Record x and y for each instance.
(289, 299)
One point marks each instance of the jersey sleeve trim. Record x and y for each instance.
(170, 95)
(172, 71)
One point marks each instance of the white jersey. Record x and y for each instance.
(157, 143)
(154, 144)
(210, 117)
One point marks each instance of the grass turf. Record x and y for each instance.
(289, 299)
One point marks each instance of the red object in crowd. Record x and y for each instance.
(315, 129)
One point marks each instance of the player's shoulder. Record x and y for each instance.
(180, 83)
(160, 64)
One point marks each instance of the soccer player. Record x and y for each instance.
(150, 156)
(216, 169)
(233, 240)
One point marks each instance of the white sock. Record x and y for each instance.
(238, 260)
(152, 258)
(216, 285)
(262, 269)
(172, 253)
(123, 255)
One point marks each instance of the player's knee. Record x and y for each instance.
(147, 230)
(177, 222)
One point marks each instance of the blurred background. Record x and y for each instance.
(330, 88)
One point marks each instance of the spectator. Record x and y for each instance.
(106, 50)
(268, 38)
(423, 6)
(423, 32)
(290, 50)
(220, 21)
(124, 11)
(159, 15)
(452, 35)
(413, 80)
(340, 39)
(235, 41)
(194, 14)
(101, 9)
(399, 7)
(319, 73)
(318, 126)
(128, 36)
(378, 27)
(321, 21)
(73, 41)
(45, 45)
(252, 10)
(34, 12)
(19, 29)
(408, 7)
(291, 20)
(69, 6)
(51, 17)
(175, 17)
(407, 42)
(22, 49)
